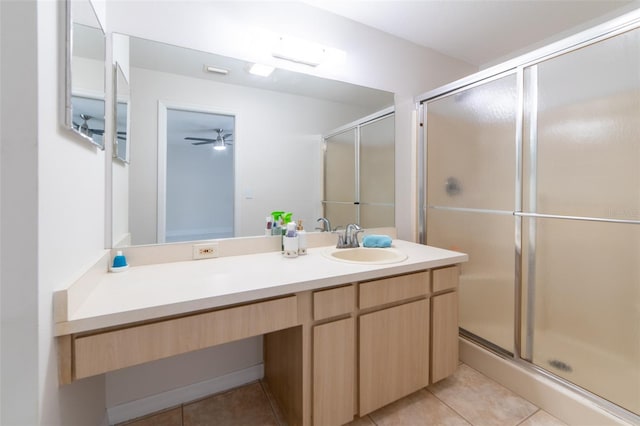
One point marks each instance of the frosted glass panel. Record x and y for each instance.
(471, 147)
(376, 216)
(587, 120)
(340, 214)
(377, 153)
(586, 304)
(340, 166)
(487, 279)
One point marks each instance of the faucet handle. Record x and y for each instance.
(354, 238)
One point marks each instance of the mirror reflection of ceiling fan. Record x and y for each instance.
(88, 131)
(84, 127)
(219, 143)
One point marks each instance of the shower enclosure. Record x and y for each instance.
(359, 172)
(533, 169)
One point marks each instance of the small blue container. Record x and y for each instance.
(119, 262)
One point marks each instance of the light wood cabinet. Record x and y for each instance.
(444, 323)
(329, 353)
(333, 372)
(445, 278)
(393, 289)
(111, 350)
(333, 302)
(444, 340)
(394, 354)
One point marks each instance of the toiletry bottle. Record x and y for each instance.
(302, 239)
(267, 226)
(290, 241)
(275, 225)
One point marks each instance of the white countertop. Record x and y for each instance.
(153, 291)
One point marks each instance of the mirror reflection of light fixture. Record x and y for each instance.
(219, 144)
(216, 70)
(298, 50)
(261, 70)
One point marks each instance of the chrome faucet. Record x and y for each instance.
(350, 237)
(326, 225)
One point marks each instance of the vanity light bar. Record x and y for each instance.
(216, 70)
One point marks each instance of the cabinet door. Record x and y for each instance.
(394, 354)
(444, 347)
(333, 372)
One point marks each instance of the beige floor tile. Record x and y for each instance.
(419, 408)
(247, 405)
(362, 421)
(279, 415)
(480, 400)
(542, 418)
(170, 417)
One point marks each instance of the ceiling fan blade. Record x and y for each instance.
(189, 138)
(227, 135)
(202, 143)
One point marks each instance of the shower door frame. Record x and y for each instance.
(625, 23)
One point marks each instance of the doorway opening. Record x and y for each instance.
(196, 192)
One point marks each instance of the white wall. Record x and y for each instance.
(18, 214)
(52, 221)
(71, 214)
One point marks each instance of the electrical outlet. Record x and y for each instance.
(205, 251)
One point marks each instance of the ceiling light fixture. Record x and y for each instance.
(261, 70)
(298, 50)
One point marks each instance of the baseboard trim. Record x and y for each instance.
(174, 397)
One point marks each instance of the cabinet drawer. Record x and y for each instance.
(333, 302)
(116, 349)
(445, 278)
(394, 289)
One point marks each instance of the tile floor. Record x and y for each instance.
(466, 398)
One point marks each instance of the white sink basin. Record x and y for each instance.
(366, 255)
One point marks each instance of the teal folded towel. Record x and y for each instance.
(382, 241)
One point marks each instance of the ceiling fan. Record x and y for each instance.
(88, 131)
(219, 143)
(84, 127)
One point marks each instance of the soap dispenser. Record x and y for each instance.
(302, 238)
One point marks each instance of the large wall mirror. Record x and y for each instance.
(85, 73)
(188, 105)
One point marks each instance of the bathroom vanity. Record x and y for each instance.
(340, 339)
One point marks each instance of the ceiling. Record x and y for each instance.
(479, 32)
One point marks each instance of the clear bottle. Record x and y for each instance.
(267, 226)
(290, 241)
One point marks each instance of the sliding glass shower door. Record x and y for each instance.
(581, 232)
(471, 197)
(535, 173)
